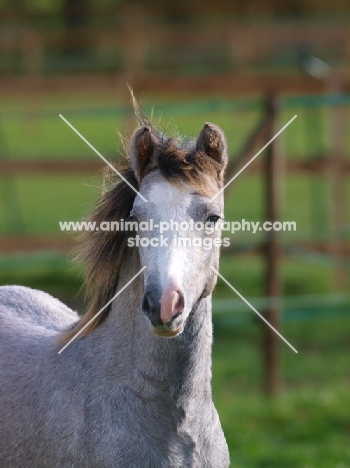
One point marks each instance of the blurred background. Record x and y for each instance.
(248, 66)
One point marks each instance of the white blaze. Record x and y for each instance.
(172, 203)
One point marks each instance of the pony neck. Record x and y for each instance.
(180, 367)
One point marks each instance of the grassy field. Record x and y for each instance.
(100, 118)
(309, 425)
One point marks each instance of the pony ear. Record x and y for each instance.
(144, 151)
(212, 142)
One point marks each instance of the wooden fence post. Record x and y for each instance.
(272, 174)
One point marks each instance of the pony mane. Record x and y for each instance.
(102, 251)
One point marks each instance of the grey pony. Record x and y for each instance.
(134, 391)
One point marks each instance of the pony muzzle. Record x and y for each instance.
(164, 310)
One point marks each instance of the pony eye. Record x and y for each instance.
(212, 219)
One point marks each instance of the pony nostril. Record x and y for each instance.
(152, 301)
(151, 306)
(180, 303)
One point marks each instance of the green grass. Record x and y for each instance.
(308, 426)
(247, 274)
(50, 271)
(32, 129)
(51, 138)
(46, 200)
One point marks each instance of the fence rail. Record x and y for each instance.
(317, 165)
(131, 43)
